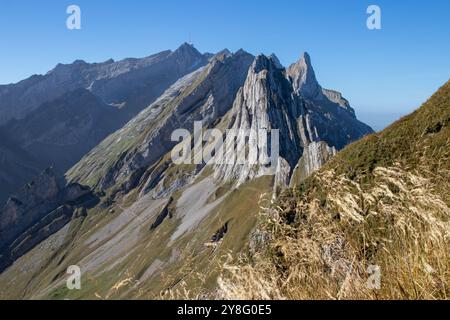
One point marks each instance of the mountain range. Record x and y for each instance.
(58, 117)
(114, 203)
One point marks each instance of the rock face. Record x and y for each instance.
(41, 208)
(303, 78)
(264, 103)
(312, 122)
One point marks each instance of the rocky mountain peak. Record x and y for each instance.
(294, 105)
(187, 57)
(276, 61)
(219, 55)
(306, 58)
(79, 62)
(225, 51)
(303, 78)
(263, 103)
(240, 51)
(188, 51)
(261, 63)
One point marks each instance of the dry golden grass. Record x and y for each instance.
(322, 241)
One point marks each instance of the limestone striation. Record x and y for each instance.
(312, 122)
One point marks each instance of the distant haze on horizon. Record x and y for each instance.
(383, 73)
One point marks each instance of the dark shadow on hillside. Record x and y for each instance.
(40, 209)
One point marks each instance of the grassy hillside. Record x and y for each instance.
(383, 201)
(121, 257)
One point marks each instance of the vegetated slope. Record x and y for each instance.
(383, 201)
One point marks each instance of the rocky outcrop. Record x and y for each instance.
(303, 78)
(305, 84)
(166, 211)
(315, 155)
(41, 208)
(282, 176)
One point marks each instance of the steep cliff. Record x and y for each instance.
(310, 123)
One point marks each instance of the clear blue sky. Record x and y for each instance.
(392, 70)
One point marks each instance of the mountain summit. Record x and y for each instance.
(303, 78)
(273, 98)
